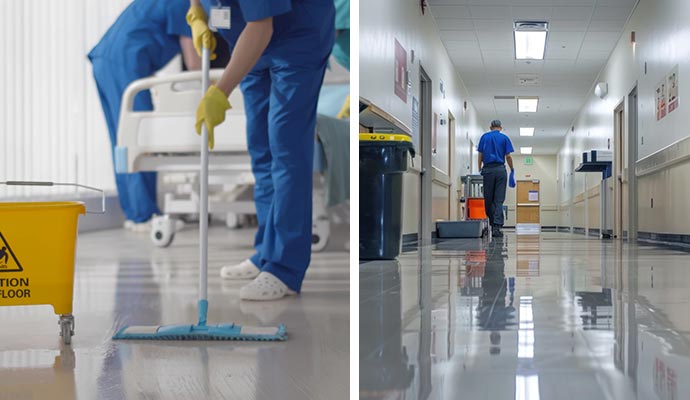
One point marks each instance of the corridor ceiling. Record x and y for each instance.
(478, 35)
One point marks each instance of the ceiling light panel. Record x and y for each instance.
(530, 40)
(528, 104)
(525, 150)
(526, 131)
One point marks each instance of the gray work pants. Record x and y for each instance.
(495, 181)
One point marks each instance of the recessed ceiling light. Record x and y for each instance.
(528, 104)
(526, 131)
(530, 40)
(525, 150)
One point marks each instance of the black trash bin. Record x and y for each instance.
(382, 161)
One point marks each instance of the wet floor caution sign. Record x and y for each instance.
(8, 261)
(11, 287)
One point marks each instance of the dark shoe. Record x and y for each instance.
(496, 232)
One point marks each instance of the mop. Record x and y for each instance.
(202, 331)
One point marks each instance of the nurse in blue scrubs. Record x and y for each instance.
(144, 38)
(279, 53)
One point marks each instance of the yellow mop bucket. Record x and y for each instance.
(37, 245)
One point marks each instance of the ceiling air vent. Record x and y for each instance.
(527, 80)
(504, 97)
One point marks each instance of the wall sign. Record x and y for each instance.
(400, 71)
(667, 95)
(672, 84)
(529, 160)
(661, 100)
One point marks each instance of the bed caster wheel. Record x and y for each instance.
(163, 231)
(232, 221)
(318, 242)
(320, 231)
(66, 323)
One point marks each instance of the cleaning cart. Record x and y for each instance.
(37, 245)
(475, 224)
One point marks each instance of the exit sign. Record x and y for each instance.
(529, 160)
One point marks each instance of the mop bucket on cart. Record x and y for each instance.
(37, 245)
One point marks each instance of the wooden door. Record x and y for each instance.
(528, 197)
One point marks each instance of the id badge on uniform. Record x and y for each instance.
(220, 18)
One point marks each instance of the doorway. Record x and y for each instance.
(620, 188)
(441, 163)
(425, 225)
(528, 201)
(632, 159)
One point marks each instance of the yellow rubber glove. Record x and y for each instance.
(211, 111)
(201, 34)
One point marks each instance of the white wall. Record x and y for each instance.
(51, 123)
(662, 33)
(381, 23)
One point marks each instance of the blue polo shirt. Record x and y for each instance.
(494, 147)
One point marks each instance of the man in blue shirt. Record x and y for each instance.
(494, 150)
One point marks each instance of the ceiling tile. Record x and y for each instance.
(560, 36)
(608, 37)
(495, 41)
(570, 2)
(627, 3)
(490, 12)
(494, 25)
(455, 24)
(568, 26)
(569, 13)
(608, 13)
(458, 35)
(532, 13)
(461, 45)
(607, 26)
(441, 12)
(561, 51)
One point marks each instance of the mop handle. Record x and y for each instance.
(43, 183)
(203, 199)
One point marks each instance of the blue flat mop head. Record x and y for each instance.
(202, 332)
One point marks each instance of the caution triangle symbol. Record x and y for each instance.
(8, 261)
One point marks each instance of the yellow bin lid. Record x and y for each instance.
(384, 137)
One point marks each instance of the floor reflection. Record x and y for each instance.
(550, 316)
(120, 279)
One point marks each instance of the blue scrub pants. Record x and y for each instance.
(281, 128)
(136, 191)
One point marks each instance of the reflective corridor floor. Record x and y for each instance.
(555, 316)
(121, 278)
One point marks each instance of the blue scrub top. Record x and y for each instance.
(145, 34)
(294, 22)
(494, 147)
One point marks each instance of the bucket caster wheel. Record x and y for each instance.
(66, 323)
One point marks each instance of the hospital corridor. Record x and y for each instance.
(523, 206)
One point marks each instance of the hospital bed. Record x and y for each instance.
(163, 140)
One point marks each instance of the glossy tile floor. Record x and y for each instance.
(554, 316)
(122, 279)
